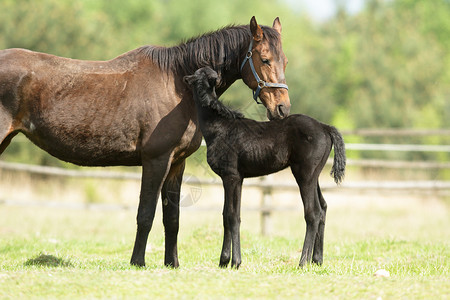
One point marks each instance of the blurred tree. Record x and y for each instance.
(386, 66)
(432, 19)
(52, 26)
(187, 19)
(396, 67)
(376, 66)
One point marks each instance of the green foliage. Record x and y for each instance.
(386, 66)
(379, 67)
(56, 27)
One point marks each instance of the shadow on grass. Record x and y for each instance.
(45, 260)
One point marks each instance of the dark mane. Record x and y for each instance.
(220, 50)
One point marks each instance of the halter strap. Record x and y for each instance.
(261, 83)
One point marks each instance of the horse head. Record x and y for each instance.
(263, 67)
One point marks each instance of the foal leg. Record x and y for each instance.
(318, 245)
(231, 222)
(312, 217)
(312, 209)
(171, 213)
(225, 254)
(154, 171)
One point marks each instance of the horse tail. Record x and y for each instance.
(338, 168)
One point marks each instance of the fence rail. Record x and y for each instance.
(397, 132)
(53, 171)
(416, 185)
(268, 187)
(60, 172)
(397, 147)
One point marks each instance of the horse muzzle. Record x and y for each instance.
(280, 111)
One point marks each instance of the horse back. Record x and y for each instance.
(28, 75)
(86, 112)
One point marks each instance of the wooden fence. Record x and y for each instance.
(267, 187)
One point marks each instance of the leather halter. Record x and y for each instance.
(261, 83)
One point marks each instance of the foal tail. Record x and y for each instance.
(338, 168)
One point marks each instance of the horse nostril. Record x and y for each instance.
(283, 111)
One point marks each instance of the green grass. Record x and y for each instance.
(59, 253)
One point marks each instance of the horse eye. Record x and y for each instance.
(265, 61)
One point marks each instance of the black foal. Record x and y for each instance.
(238, 148)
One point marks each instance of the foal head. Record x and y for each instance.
(263, 67)
(203, 83)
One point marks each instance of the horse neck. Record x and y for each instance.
(228, 71)
(222, 50)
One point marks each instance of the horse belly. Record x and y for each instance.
(87, 144)
(87, 119)
(91, 153)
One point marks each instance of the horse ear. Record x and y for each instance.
(277, 25)
(256, 30)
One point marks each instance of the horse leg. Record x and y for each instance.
(318, 245)
(6, 141)
(154, 171)
(171, 213)
(231, 222)
(6, 130)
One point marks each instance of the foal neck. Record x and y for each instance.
(211, 109)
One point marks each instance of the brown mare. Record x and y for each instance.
(135, 109)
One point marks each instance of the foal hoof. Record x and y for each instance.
(318, 262)
(302, 263)
(138, 264)
(172, 265)
(224, 261)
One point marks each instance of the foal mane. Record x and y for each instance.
(209, 101)
(223, 110)
(221, 50)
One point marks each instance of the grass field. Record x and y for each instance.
(66, 253)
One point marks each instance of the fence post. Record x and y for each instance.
(266, 201)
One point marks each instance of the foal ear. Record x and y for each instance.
(189, 79)
(277, 25)
(256, 30)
